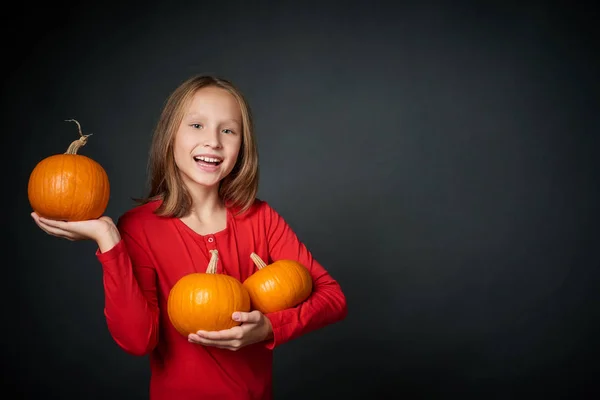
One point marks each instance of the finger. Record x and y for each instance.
(35, 217)
(54, 223)
(42, 222)
(43, 226)
(60, 233)
(58, 228)
(228, 344)
(55, 231)
(222, 344)
(192, 337)
(227, 334)
(253, 316)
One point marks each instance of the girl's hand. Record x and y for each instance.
(102, 230)
(255, 328)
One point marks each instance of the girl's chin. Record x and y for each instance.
(197, 181)
(205, 183)
(202, 179)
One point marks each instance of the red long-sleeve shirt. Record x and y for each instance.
(155, 252)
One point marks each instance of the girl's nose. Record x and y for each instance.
(212, 139)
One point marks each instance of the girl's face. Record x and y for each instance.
(208, 141)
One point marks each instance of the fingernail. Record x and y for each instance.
(236, 316)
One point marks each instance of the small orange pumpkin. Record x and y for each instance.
(69, 186)
(206, 301)
(278, 286)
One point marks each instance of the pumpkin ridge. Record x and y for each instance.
(74, 194)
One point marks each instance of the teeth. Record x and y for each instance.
(206, 159)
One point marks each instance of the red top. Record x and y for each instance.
(155, 252)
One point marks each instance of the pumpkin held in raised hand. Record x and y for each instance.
(69, 186)
(278, 286)
(206, 301)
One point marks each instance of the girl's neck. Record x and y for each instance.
(206, 202)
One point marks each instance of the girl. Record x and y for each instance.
(204, 179)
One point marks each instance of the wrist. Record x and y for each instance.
(268, 328)
(108, 240)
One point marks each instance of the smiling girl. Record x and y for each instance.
(203, 186)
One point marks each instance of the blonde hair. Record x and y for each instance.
(237, 190)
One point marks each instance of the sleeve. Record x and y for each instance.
(326, 304)
(131, 305)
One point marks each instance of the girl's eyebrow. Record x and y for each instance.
(196, 115)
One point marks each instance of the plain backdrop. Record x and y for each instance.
(438, 158)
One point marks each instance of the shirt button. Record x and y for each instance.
(210, 240)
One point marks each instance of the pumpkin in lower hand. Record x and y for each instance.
(278, 286)
(69, 186)
(206, 301)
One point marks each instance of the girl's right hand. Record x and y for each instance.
(102, 230)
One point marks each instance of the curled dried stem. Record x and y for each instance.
(77, 144)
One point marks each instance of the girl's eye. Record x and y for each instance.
(227, 131)
(197, 126)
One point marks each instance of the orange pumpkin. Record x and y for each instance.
(278, 286)
(206, 301)
(69, 186)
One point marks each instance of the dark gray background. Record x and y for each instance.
(439, 160)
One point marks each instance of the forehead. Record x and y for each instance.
(214, 102)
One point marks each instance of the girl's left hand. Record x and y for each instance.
(255, 328)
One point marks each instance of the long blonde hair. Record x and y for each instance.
(237, 190)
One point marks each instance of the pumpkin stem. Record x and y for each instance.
(212, 265)
(77, 144)
(257, 261)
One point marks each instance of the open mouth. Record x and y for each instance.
(214, 161)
